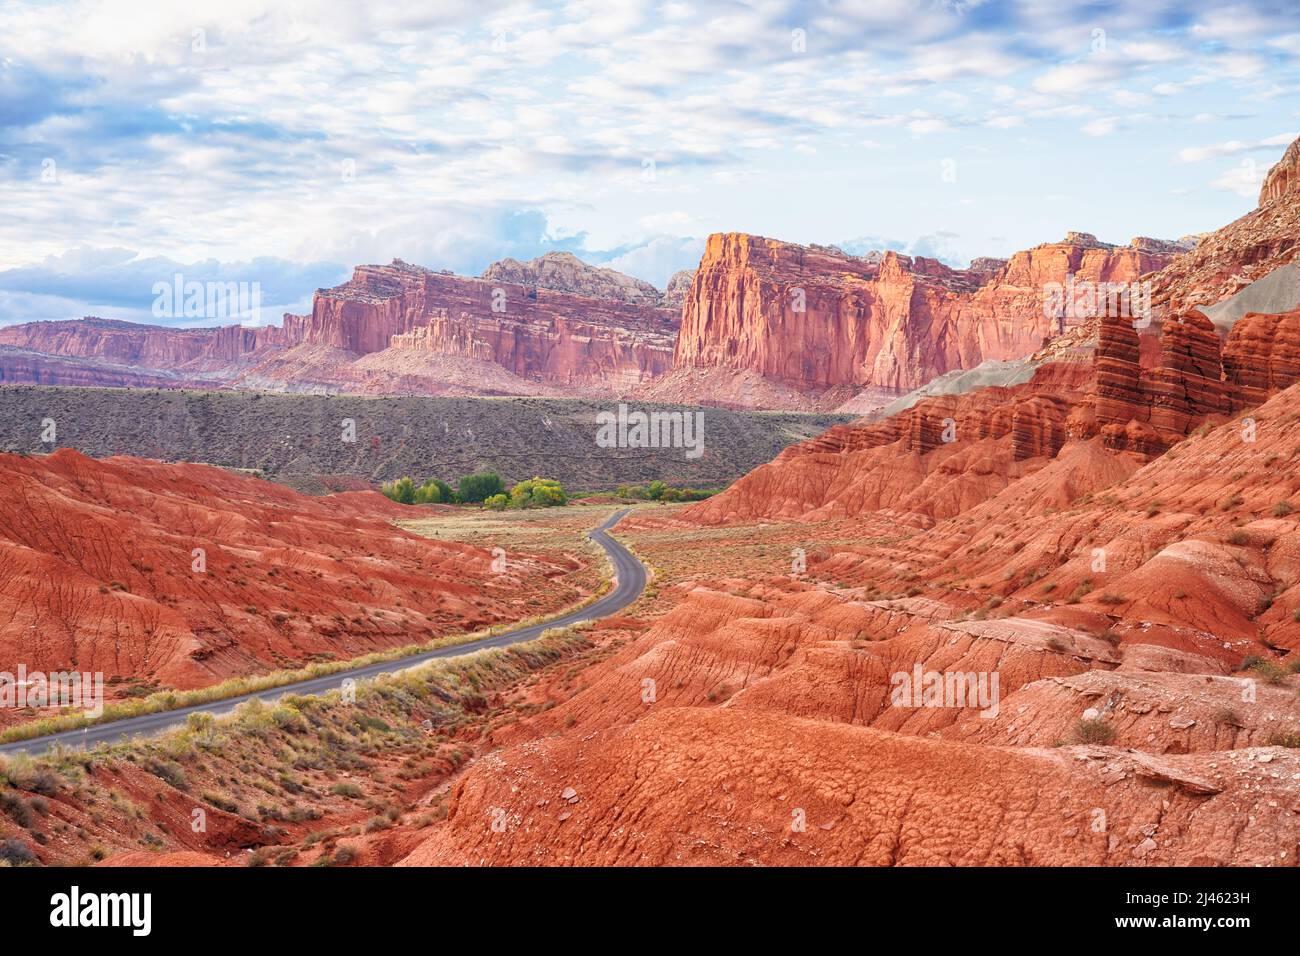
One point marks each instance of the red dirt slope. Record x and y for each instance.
(97, 572)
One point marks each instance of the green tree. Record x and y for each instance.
(434, 491)
(496, 502)
(473, 489)
(402, 490)
(656, 490)
(537, 493)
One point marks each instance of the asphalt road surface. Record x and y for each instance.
(630, 581)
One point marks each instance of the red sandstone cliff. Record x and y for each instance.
(395, 328)
(815, 318)
(403, 314)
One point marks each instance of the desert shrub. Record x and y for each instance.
(1226, 716)
(16, 807)
(1282, 509)
(221, 802)
(1284, 738)
(169, 772)
(1269, 672)
(287, 718)
(1095, 731)
(25, 774)
(16, 853)
(344, 855)
(496, 502)
(199, 723)
(346, 789)
(1239, 538)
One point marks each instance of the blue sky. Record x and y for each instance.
(285, 142)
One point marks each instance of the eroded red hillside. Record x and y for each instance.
(188, 574)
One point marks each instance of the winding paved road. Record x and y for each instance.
(630, 581)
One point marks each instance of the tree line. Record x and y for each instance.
(485, 488)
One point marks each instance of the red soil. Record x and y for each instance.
(97, 573)
(772, 696)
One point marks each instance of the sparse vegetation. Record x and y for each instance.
(1226, 716)
(1269, 672)
(1093, 731)
(16, 853)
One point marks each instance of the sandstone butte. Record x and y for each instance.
(97, 571)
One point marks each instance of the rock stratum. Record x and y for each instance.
(760, 323)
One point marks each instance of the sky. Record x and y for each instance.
(282, 143)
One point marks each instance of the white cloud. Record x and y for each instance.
(464, 123)
(1196, 154)
(1243, 179)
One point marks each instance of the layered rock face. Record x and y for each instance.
(1133, 391)
(1148, 406)
(815, 318)
(23, 367)
(532, 332)
(138, 346)
(531, 328)
(1262, 355)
